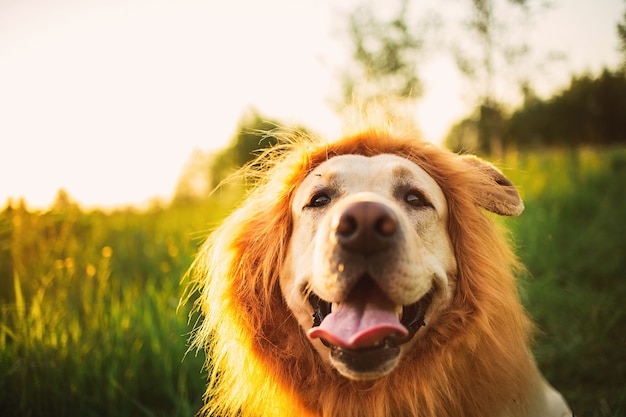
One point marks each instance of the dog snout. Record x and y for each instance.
(366, 227)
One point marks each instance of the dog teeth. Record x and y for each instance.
(399, 310)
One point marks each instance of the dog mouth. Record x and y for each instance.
(366, 330)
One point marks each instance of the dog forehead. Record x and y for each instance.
(354, 173)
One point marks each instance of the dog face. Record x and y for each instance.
(393, 274)
(369, 260)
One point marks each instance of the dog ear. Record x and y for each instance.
(499, 195)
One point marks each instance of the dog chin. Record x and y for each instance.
(368, 363)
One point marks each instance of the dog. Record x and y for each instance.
(363, 277)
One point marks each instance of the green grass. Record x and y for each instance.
(89, 324)
(572, 237)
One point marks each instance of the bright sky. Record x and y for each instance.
(107, 99)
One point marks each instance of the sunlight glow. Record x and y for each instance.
(108, 101)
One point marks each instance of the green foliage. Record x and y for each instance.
(571, 237)
(89, 323)
(589, 111)
(254, 133)
(196, 181)
(386, 54)
(206, 170)
(480, 133)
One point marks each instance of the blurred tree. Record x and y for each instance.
(589, 111)
(463, 136)
(254, 133)
(469, 134)
(205, 170)
(621, 33)
(496, 54)
(63, 202)
(195, 181)
(386, 54)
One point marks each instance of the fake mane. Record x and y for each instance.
(259, 360)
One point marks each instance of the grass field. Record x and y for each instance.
(89, 324)
(572, 237)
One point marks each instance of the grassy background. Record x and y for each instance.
(572, 237)
(89, 324)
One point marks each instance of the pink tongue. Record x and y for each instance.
(366, 317)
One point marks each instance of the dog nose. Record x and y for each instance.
(366, 227)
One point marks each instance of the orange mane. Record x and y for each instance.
(259, 360)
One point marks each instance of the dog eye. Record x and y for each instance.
(319, 200)
(416, 199)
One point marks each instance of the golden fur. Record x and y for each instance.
(474, 362)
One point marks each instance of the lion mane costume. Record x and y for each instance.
(472, 359)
